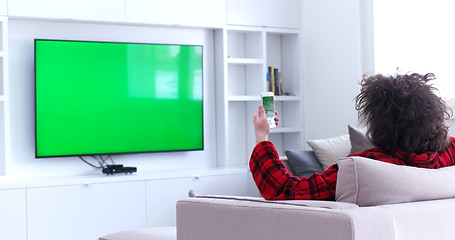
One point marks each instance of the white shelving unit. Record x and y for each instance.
(4, 105)
(244, 54)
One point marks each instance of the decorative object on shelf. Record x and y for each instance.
(274, 81)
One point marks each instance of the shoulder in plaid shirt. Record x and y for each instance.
(276, 183)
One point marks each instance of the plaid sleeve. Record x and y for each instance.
(276, 183)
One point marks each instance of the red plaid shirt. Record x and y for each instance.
(276, 183)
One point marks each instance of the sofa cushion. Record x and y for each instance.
(329, 150)
(156, 233)
(368, 182)
(243, 200)
(304, 163)
(359, 140)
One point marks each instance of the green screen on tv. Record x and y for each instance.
(110, 98)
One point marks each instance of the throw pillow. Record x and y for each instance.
(329, 150)
(368, 182)
(304, 163)
(359, 140)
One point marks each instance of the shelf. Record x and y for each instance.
(7, 182)
(286, 98)
(285, 130)
(245, 29)
(243, 98)
(258, 98)
(245, 60)
(282, 31)
(269, 30)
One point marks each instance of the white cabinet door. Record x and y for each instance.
(85, 211)
(205, 13)
(268, 13)
(163, 194)
(13, 223)
(102, 10)
(3, 7)
(232, 184)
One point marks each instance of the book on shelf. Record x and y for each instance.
(274, 81)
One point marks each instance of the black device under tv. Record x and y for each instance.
(118, 168)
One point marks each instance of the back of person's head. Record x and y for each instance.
(403, 111)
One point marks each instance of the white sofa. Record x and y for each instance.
(375, 200)
(256, 219)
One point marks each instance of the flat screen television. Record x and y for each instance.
(96, 98)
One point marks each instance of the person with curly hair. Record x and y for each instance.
(406, 121)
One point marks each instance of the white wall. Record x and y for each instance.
(337, 49)
(21, 65)
(3, 7)
(332, 66)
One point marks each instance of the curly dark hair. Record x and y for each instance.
(404, 112)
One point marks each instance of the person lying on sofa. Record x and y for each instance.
(405, 120)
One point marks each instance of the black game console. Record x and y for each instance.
(118, 168)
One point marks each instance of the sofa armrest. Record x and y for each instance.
(224, 218)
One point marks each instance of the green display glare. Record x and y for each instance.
(118, 103)
(268, 104)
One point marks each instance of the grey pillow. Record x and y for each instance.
(304, 163)
(359, 140)
(368, 182)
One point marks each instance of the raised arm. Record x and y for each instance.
(274, 181)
